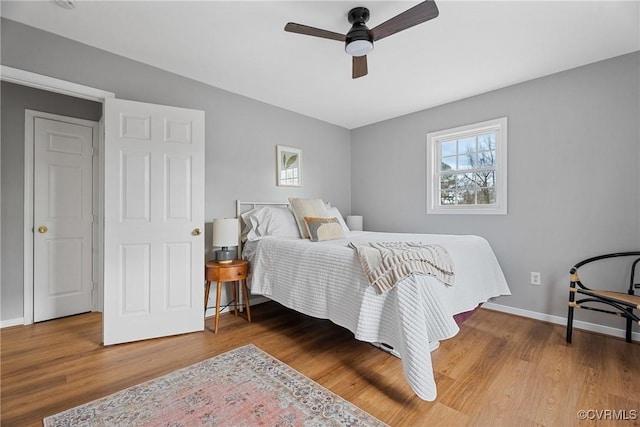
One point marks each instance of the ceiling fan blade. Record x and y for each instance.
(312, 31)
(418, 14)
(359, 66)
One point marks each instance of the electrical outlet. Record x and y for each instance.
(535, 278)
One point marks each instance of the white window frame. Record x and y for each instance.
(434, 139)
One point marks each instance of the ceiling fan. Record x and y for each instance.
(359, 40)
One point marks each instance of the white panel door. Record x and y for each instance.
(154, 217)
(63, 219)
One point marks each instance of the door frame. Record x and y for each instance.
(29, 182)
(39, 81)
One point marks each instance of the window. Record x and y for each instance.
(467, 169)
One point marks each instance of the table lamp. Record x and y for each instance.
(225, 234)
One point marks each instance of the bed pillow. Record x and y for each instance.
(269, 221)
(321, 229)
(334, 212)
(307, 207)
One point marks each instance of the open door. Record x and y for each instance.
(153, 221)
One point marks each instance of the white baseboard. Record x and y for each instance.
(578, 324)
(211, 311)
(255, 300)
(11, 322)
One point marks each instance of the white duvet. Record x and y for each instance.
(325, 280)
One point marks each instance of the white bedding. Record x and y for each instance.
(325, 280)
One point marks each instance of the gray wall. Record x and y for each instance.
(574, 183)
(574, 156)
(241, 137)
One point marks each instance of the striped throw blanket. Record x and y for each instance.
(386, 263)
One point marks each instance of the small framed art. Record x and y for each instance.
(288, 166)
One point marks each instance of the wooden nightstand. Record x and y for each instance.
(235, 271)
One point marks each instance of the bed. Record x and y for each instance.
(325, 279)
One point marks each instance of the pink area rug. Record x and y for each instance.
(243, 387)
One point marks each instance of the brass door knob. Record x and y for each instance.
(196, 232)
(43, 229)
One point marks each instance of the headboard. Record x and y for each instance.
(242, 206)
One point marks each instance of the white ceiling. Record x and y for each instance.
(472, 47)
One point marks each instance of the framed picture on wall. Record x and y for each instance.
(288, 166)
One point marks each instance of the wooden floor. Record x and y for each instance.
(499, 370)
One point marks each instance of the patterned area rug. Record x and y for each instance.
(243, 387)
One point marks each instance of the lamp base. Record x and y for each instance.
(225, 255)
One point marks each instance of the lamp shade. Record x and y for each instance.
(354, 222)
(225, 232)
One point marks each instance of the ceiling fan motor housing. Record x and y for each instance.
(359, 40)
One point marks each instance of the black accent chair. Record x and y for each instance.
(618, 303)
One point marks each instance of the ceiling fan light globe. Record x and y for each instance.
(359, 47)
